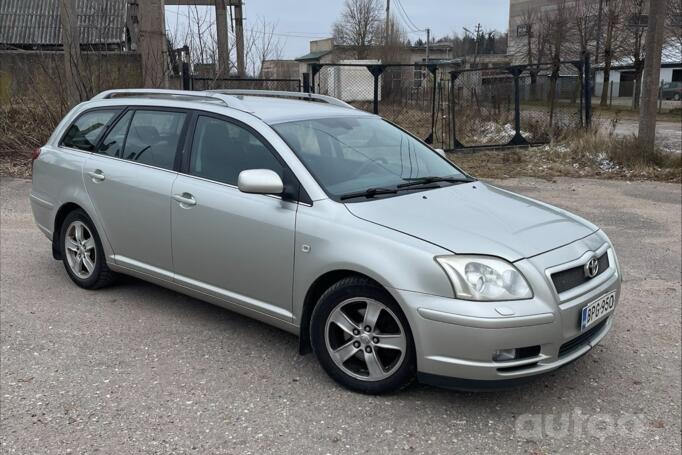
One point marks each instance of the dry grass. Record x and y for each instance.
(576, 154)
(23, 127)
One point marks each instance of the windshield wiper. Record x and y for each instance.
(368, 193)
(434, 179)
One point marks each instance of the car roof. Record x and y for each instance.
(280, 110)
(270, 109)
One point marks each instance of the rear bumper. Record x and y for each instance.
(455, 340)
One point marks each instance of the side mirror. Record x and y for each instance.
(441, 152)
(260, 181)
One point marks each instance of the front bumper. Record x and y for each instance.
(457, 338)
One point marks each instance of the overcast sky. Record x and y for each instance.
(299, 21)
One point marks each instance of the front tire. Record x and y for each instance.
(362, 339)
(82, 252)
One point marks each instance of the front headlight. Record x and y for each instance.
(485, 278)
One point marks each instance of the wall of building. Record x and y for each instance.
(615, 80)
(33, 74)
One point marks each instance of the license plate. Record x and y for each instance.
(594, 311)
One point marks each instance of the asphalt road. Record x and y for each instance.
(139, 369)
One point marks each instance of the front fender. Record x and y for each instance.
(329, 238)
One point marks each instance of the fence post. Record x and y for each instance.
(184, 69)
(376, 71)
(588, 90)
(518, 138)
(433, 69)
(453, 121)
(314, 69)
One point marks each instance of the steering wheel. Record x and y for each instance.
(367, 164)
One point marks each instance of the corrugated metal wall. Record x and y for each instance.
(36, 22)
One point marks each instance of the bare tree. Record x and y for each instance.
(261, 45)
(634, 30)
(72, 52)
(673, 30)
(359, 25)
(533, 47)
(612, 21)
(585, 24)
(558, 30)
(393, 50)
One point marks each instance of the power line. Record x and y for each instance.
(408, 21)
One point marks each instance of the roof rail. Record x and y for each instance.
(230, 101)
(283, 94)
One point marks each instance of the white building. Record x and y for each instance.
(622, 75)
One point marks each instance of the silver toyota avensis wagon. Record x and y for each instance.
(331, 223)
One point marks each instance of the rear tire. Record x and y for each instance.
(362, 338)
(676, 96)
(82, 252)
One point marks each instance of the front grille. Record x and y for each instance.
(571, 278)
(581, 340)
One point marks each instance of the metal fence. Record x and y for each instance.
(450, 108)
(459, 109)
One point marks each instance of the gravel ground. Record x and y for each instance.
(139, 369)
(668, 134)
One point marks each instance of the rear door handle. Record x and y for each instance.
(185, 199)
(96, 175)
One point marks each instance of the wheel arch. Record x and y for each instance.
(313, 294)
(59, 217)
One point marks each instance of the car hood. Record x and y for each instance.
(476, 218)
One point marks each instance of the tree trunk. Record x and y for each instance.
(652, 72)
(68, 16)
(607, 63)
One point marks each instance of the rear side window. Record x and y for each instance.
(221, 150)
(112, 145)
(145, 136)
(84, 132)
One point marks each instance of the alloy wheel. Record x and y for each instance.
(365, 339)
(79, 245)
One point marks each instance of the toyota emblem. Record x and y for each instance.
(592, 268)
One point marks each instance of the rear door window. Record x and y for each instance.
(112, 145)
(146, 136)
(84, 132)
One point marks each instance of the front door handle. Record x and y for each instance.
(185, 199)
(97, 175)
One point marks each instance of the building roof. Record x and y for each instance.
(671, 55)
(37, 23)
(313, 56)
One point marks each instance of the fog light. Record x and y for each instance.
(504, 354)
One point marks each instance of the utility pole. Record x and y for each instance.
(478, 32)
(387, 33)
(221, 29)
(68, 16)
(475, 35)
(428, 43)
(651, 76)
(152, 42)
(239, 35)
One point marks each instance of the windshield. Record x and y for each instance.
(349, 155)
